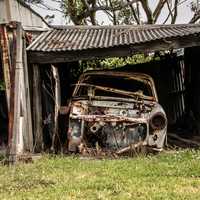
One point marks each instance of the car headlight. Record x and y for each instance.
(158, 121)
(74, 128)
(77, 110)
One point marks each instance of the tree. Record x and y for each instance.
(124, 11)
(82, 12)
(195, 7)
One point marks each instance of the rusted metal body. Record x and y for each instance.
(115, 112)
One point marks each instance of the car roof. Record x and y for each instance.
(117, 73)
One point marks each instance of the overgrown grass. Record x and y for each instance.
(165, 176)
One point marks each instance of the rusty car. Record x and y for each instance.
(116, 112)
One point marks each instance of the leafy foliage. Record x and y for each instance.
(120, 62)
(74, 9)
(111, 63)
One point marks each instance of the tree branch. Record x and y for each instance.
(46, 7)
(114, 17)
(148, 11)
(172, 10)
(175, 12)
(158, 9)
(90, 13)
(134, 14)
(116, 8)
(195, 17)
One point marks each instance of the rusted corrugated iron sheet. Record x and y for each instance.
(92, 37)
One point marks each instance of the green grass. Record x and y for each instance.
(164, 176)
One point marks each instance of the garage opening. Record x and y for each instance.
(174, 73)
(175, 82)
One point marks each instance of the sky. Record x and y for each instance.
(184, 13)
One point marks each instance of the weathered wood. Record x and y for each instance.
(57, 104)
(6, 61)
(118, 51)
(28, 133)
(6, 66)
(16, 146)
(37, 110)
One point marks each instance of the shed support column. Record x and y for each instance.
(57, 106)
(37, 110)
(28, 135)
(17, 130)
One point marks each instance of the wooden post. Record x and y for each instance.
(57, 105)
(16, 145)
(28, 134)
(37, 110)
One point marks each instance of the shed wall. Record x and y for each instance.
(13, 10)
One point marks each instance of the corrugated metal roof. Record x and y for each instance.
(72, 38)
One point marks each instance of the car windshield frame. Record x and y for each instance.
(142, 78)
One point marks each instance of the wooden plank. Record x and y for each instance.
(118, 51)
(37, 110)
(57, 105)
(6, 61)
(9, 78)
(28, 135)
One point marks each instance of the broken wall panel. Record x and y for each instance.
(55, 84)
(48, 104)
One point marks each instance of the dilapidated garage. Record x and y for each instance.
(37, 88)
(55, 53)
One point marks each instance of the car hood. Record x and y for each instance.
(114, 108)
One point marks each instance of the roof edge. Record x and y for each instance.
(61, 27)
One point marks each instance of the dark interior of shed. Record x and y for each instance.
(3, 113)
(176, 80)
